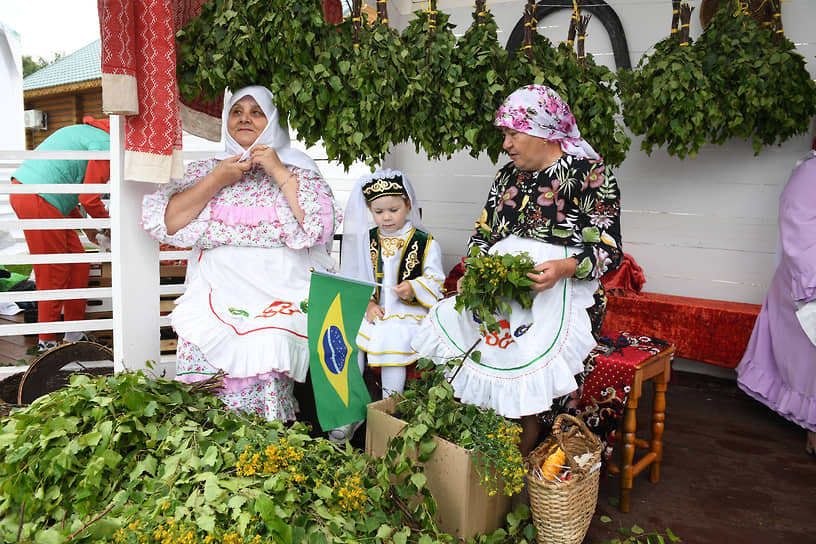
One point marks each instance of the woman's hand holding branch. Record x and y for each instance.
(549, 272)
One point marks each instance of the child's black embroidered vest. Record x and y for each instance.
(412, 259)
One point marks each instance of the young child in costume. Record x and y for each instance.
(404, 260)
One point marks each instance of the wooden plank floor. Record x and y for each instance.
(13, 348)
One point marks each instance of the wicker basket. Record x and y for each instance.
(562, 511)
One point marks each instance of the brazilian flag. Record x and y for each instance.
(337, 307)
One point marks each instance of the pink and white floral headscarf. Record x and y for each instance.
(538, 111)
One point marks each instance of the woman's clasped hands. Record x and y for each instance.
(230, 170)
(267, 158)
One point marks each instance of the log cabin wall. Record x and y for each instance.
(65, 105)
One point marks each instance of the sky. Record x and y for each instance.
(47, 27)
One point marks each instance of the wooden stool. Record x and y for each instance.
(656, 368)
(620, 364)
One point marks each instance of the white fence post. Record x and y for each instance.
(134, 269)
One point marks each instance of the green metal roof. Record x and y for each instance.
(81, 65)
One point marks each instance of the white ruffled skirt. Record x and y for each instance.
(533, 358)
(241, 308)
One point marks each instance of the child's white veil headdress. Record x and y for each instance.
(355, 256)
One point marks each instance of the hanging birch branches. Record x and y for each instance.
(484, 88)
(361, 87)
(738, 80)
(437, 109)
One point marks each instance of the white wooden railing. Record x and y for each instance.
(135, 291)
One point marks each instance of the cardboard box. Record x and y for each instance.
(464, 506)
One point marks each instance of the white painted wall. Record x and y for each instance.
(12, 136)
(702, 227)
(12, 133)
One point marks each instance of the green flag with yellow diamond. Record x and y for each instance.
(337, 307)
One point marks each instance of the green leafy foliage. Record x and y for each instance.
(234, 43)
(75, 452)
(31, 65)
(637, 535)
(765, 92)
(322, 100)
(381, 82)
(130, 459)
(423, 85)
(437, 110)
(484, 91)
(491, 281)
(669, 100)
(136, 460)
(521, 70)
(736, 81)
(429, 407)
(122, 457)
(590, 91)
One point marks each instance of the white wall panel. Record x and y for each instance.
(702, 227)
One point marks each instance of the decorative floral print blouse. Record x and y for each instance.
(574, 202)
(252, 212)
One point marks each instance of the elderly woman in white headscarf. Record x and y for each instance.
(258, 216)
(557, 201)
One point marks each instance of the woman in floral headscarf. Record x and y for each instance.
(559, 202)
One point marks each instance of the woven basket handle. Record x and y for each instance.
(592, 441)
(578, 422)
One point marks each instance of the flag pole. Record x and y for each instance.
(349, 278)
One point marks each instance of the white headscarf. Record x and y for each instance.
(355, 258)
(275, 135)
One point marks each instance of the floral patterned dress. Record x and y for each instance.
(241, 311)
(575, 202)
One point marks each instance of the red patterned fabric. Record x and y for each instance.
(333, 11)
(611, 370)
(173, 262)
(138, 46)
(627, 278)
(116, 25)
(453, 277)
(711, 331)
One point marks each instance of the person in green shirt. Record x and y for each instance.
(91, 135)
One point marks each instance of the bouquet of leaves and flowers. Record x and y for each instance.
(491, 281)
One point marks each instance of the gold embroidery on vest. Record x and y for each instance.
(411, 259)
(390, 246)
(372, 250)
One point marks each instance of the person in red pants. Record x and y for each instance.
(91, 135)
